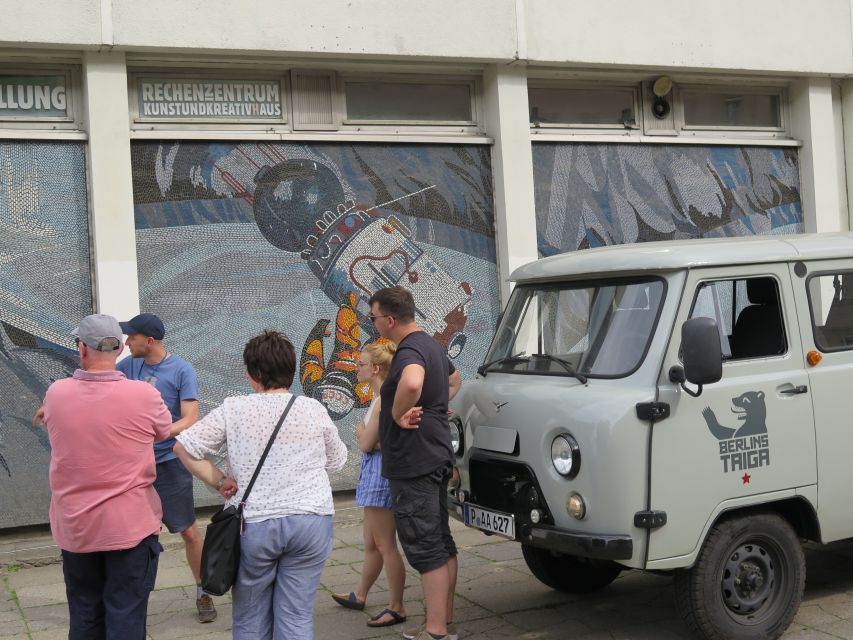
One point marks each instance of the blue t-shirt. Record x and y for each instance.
(175, 379)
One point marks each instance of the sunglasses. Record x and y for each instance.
(373, 317)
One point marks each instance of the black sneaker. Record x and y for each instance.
(206, 610)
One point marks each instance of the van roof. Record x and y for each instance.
(674, 255)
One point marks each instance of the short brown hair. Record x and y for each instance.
(270, 359)
(395, 301)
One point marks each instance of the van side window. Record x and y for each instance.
(748, 315)
(831, 303)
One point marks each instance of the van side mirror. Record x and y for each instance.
(701, 354)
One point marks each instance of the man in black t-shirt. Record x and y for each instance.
(417, 457)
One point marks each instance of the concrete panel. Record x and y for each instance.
(475, 29)
(759, 35)
(813, 122)
(46, 22)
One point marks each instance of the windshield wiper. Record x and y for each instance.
(565, 364)
(518, 357)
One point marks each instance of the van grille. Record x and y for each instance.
(505, 486)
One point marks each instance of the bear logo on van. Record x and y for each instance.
(746, 446)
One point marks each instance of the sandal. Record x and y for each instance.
(396, 618)
(350, 602)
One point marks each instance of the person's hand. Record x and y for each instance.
(38, 418)
(228, 488)
(450, 412)
(411, 419)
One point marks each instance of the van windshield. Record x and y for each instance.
(583, 329)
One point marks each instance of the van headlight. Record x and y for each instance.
(566, 455)
(457, 438)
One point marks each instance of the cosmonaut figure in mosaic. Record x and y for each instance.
(354, 250)
(302, 203)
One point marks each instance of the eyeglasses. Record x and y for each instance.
(373, 317)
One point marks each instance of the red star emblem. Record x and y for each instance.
(746, 478)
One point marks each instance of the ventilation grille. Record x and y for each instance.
(313, 100)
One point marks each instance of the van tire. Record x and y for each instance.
(569, 573)
(761, 548)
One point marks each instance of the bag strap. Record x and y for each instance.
(264, 455)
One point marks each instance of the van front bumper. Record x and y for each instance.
(585, 545)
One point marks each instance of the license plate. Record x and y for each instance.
(502, 524)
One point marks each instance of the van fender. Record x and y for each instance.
(796, 505)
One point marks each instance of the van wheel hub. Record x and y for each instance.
(748, 578)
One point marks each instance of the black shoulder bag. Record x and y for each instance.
(220, 554)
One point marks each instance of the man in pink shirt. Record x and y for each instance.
(104, 512)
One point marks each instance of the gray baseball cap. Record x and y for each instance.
(100, 332)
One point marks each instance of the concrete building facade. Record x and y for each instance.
(237, 166)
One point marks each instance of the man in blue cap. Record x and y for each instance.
(177, 383)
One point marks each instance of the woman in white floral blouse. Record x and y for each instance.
(288, 532)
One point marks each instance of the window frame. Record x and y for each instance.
(474, 125)
(721, 330)
(73, 121)
(598, 283)
(679, 133)
(713, 88)
(823, 348)
(179, 123)
(579, 127)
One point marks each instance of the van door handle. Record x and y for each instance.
(800, 388)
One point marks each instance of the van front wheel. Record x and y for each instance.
(747, 582)
(569, 573)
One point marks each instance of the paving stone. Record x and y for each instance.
(838, 608)
(811, 615)
(14, 628)
(39, 595)
(808, 634)
(34, 576)
(497, 597)
(840, 629)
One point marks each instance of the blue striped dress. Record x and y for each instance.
(373, 489)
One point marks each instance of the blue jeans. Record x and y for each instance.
(108, 591)
(280, 565)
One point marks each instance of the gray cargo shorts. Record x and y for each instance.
(423, 524)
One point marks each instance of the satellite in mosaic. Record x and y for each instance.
(354, 250)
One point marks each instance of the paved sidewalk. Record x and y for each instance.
(496, 595)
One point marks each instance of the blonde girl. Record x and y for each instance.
(373, 493)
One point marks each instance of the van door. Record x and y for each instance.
(825, 297)
(751, 432)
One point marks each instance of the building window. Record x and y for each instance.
(659, 107)
(831, 301)
(382, 101)
(40, 97)
(731, 108)
(585, 107)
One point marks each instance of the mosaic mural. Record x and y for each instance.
(236, 238)
(589, 195)
(45, 288)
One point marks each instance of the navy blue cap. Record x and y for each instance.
(146, 324)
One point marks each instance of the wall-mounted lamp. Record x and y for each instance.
(661, 106)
